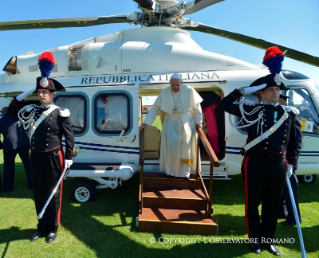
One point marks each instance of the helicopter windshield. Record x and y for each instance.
(308, 116)
(317, 91)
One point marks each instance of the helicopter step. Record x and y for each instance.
(174, 205)
(107, 175)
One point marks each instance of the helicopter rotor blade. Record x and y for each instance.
(197, 5)
(147, 4)
(67, 22)
(259, 43)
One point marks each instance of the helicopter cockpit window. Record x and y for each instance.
(308, 116)
(111, 113)
(77, 106)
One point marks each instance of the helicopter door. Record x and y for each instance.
(309, 120)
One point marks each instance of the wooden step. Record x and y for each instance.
(176, 221)
(162, 175)
(161, 180)
(174, 199)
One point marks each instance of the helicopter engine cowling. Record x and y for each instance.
(145, 50)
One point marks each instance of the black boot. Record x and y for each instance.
(272, 249)
(255, 248)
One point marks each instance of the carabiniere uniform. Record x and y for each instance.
(264, 166)
(47, 157)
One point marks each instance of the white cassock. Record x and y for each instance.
(178, 140)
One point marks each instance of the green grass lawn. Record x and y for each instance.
(106, 227)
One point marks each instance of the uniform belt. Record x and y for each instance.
(263, 136)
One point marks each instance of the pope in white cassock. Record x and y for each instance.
(181, 103)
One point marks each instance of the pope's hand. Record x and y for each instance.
(68, 163)
(289, 171)
(143, 126)
(249, 90)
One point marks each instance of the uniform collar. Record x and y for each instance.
(267, 103)
(47, 106)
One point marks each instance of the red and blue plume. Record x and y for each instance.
(273, 59)
(46, 63)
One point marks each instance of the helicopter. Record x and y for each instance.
(112, 72)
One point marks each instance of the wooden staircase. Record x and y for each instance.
(176, 205)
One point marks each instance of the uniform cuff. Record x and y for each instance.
(236, 94)
(292, 160)
(68, 156)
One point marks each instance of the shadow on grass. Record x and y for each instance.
(85, 221)
(97, 225)
(15, 233)
(310, 237)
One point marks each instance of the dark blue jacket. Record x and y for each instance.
(14, 137)
(287, 138)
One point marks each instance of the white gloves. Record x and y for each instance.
(248, 102)
(289, 171)
(249, 90)
(68, 163)
(25, 94)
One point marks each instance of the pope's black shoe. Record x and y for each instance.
(255, 248)
(36, 236)
(50, 237)
(272, 249)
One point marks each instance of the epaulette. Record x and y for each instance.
(293, 109)
(64, 112)
(29, 108)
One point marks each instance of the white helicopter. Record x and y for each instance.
(106, 77)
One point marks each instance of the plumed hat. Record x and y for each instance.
(46, 63)
(273, 60)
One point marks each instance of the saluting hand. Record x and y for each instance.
(251, 89)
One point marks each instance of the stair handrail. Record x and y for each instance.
(214, 162)
(142, 133)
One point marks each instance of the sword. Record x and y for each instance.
(303, 250)
(65, 172)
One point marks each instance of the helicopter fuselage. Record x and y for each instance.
(105, 78)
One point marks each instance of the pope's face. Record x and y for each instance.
(270, 94)
(176, 84)
(45, 96)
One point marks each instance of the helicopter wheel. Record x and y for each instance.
(83, 191)
(307, 179)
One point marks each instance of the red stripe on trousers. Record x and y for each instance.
(246, 194)
(62, 168)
